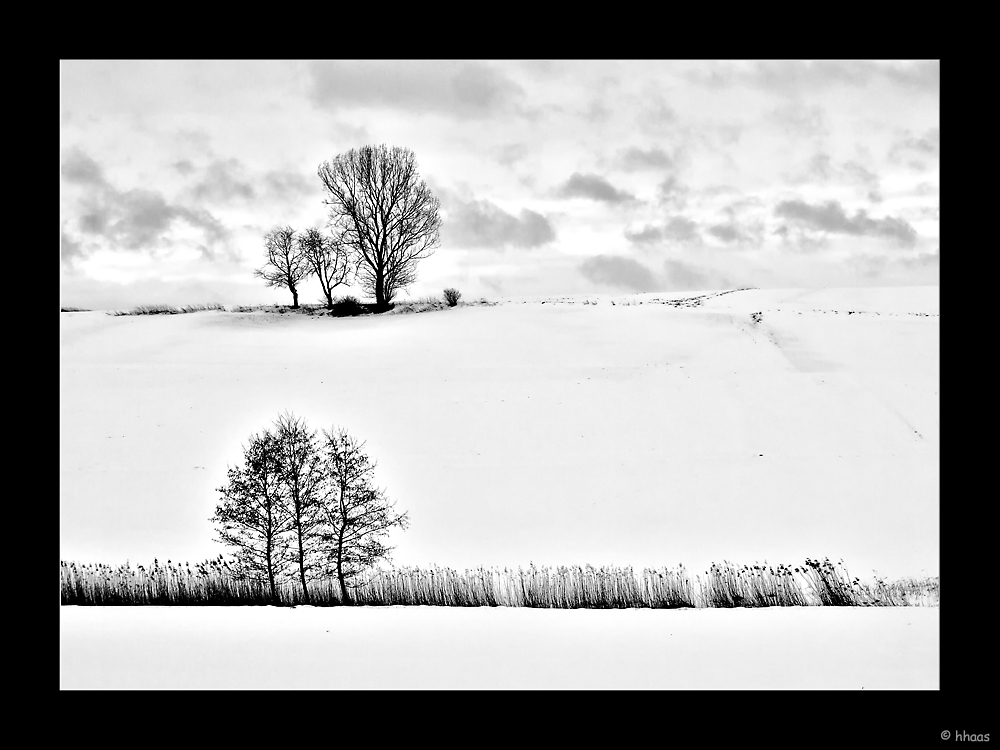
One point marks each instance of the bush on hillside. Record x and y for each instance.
(452, 296)
(347, 306)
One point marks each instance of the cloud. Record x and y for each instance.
(70, 250)
(831, 217)
(619, 272)
(655, 116)
(80, 169)
(866, 178)
(483, 224)
(670, 193)
(223, 181)
(141, 219)
(725, 232)
(683, 277)
(464, 89)
(820, 168)
(288, 184)
(799, 120)
(145, 216)
(634, 159)
(922, 260)
(792, 77)
(184, 166)
(511, 153)
(927, 146)
(594, 187)
(681, 229)
(646, 236)
(677, 229)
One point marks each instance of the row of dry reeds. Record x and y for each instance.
(164, 310)
(215, 582)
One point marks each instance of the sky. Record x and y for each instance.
(554, 177)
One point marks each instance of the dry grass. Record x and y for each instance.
(164, 310)
(216, 582)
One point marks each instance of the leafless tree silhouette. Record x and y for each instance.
(303, 478)
(358, 514)
(384, 213)
(253, 514)
(286, 264)
(328, 259)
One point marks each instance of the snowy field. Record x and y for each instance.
(559, 431)
(500, 648)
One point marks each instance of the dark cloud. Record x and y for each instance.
(677, 229)
(223, 181)
(619, 272)
(670, 193)
(681, 229)
(634, 159)
(184, 166)
(465, 89)
(742, 232)
(915, 149)
(647, 236)
(831, 217)
(80, 169)
(594, 187)
(725, 232)
(70, 250)
(486, 225)
(95, 220)
(141, 219)
(682, 277)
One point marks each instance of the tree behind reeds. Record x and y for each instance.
(304, 481)
(358, 514)
(253, 515)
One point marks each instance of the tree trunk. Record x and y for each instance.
(344, 595)
(270, 572)
(302, 570)
(295, 298)
(380, 296)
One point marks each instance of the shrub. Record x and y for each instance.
(347, 306)
(452, 296)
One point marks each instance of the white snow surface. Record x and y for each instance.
(431, 648)
(559, 431)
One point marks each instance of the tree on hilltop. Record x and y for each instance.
(287, 264)
(327, 258)
(384, 213)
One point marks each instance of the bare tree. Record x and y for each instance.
(327, 258)
(384, 213)
(253, 515)
(286, 264)
(358, 514)
(303, 480)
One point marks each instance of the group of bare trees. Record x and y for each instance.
(303, 507)
(383, 220)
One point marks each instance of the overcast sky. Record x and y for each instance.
(554, 177)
